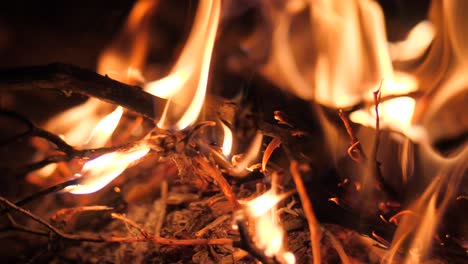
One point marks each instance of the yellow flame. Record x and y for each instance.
(351, 50)
(227, 140)
(190, 71)
(71, 125)
(395, 114)
(99, 172)
(269, 234)
(264, 203)
(240, 168)
(104, 129)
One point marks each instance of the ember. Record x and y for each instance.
(234, 132)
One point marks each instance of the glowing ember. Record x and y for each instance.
(97, 173)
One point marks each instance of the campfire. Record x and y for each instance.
(211, 131)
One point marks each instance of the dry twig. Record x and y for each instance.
(219, 179)
(355, 146)
(146, 237)
(314, 228)
(376, 164)
(71, 78)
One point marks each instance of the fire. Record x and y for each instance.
(104, 129)
(351, 57)
(415, 44)
(240, 168)
(269, 235)
(71, 125)
(99, 172)
(395, 114)
(124, 59)
(190, 72)
(351, 50)
(227, 141)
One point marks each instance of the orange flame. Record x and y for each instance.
(190, 72)
(71, 125)
(126, 56)
(99, 172)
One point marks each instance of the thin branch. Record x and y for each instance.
(131, 223)
(219, 179)
(72, 154)
(43, 193)
(71, 78)
(163, 208)
(69, 151)
(355, 146)
(314, 228)
(104, 239)
(338, 247)
(376, 164)
(274, 144)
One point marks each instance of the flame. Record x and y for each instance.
(264, 203)
(416, 43)
(394, 113)
(352, 54)
(240, 168)
(227, 140)
(269, 234)
(397, 113)
(97, 173)
(104, 129)
(428, 210)
(190, 71)
(71, 125)
(126, 56)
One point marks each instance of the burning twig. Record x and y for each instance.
(314, 228)
(274, 144)
(376, 164)
(73, 79)
(69, 151)
(69, 78)
(355, 146)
